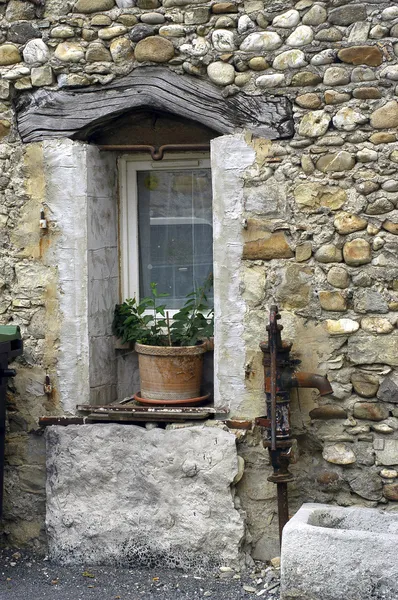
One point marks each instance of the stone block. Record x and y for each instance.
(339, 554)
(121, 494)
(371, 411)
(274, 245)
(388, 455)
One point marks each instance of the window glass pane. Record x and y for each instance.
(175, 231)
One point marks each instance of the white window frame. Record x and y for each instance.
(129, 166)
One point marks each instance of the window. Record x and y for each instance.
(166, 226)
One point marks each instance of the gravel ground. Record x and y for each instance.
(24, 576)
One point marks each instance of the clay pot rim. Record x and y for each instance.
(170, 350)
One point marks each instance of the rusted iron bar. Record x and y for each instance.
(157, 153)
(280, 375)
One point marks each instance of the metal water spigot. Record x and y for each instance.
(280, 376)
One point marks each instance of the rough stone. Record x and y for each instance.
(108, 33)
(338, 277)
(386, 116)
(332, 34)
(366, 484)
(390, 491)
(341, 326)
(22, 32)
(223, 40)
(361, 55)
(221, 73)
(367, 155)
(376, 325)
(382, 138)
(365, 384)
(389, 473)
(270, 81)
(42, 76)
(339, 454)
(141, 31)
(9, 55)
(333, 97)
(121, 49)
(154, 49)
(388, 455)
(328, 411)
(347, 119)
(62, 31)
(325, 57)
(370, 301)
(371, 411)
(366, 93)
(333, 301)
(336, 76)
(359, 32)
(69, 52)
(261, 42)
(345, 15)
(388, 390)
(301, 36)
(346, 223)
(287, 20)
(357, 252)
(309, 100)
(379, 206)
(97, 52)
(203, 525)
(92, 6)
(311, 196)
(258, 63)
(390, 226)
(305, 79)
(273, 246)
(336, 161)
(315, 16)
(314, 124)
(329, 253)
(303, 251)
(224, 7)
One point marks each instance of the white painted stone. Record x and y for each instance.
(36, 51)
(230, 157)
(223, 40)
(126, 495)
(221, 73)
(339, 454)
(301, 36)
(347, 119)
(65, 167)
(288, 19)
(290, 59)
(16, 73)
(260, 42)
(270, 81)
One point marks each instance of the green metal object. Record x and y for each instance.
(9, 333)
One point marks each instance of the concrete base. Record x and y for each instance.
(334, 553)
(122, 494)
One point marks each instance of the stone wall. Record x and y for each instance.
(315, 230)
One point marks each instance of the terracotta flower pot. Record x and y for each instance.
(170, 373)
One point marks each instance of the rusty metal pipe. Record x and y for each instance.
(156, 153)
(301, 379)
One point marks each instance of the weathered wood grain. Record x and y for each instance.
(76, 113)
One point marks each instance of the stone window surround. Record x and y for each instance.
(80, 185)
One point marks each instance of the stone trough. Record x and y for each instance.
(334, 553)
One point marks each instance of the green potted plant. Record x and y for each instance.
(170, 350)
